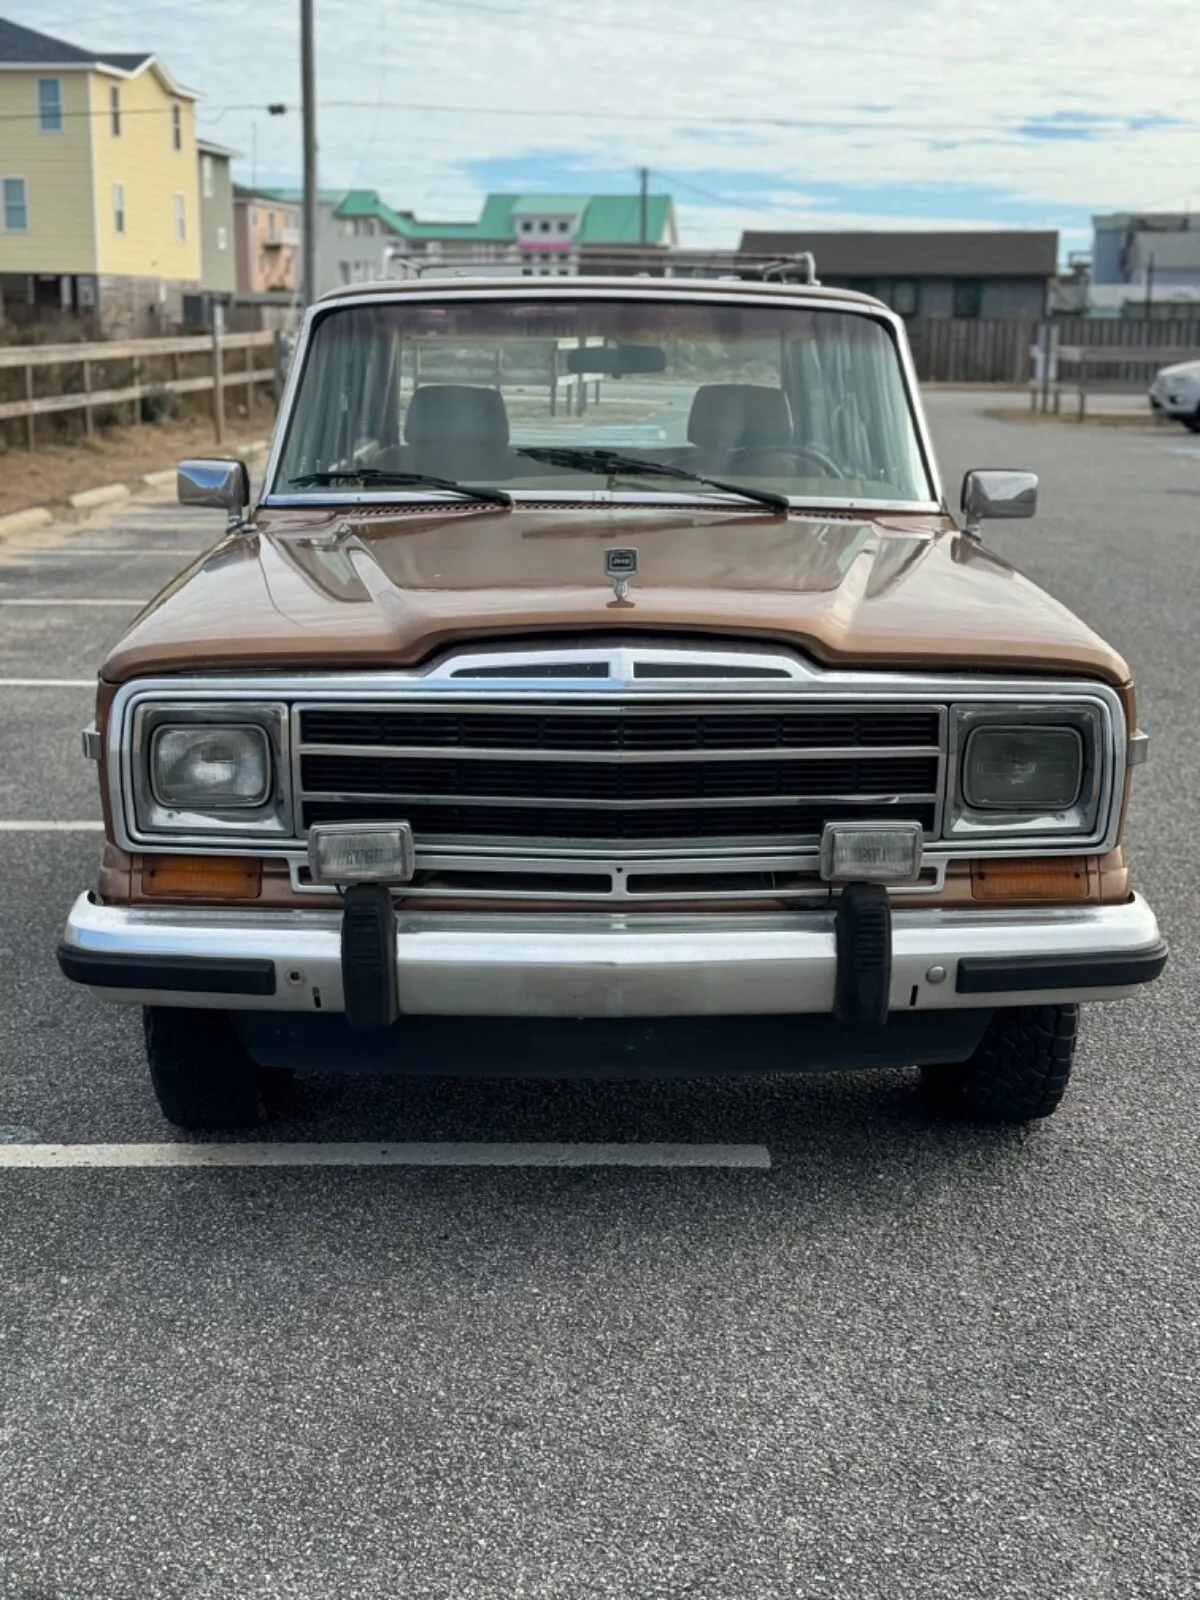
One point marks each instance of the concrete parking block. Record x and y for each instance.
(105, 495)
(24, 521)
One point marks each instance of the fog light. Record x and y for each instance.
(367, 852)
(871, 852)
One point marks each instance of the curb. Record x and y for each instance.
(24, 521)
(17, 522)
(105, 495)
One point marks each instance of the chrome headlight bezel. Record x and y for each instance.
(271, 816)
(1080, 820)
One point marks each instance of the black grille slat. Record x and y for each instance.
(621, 729)
(549, 822)
(594, 780)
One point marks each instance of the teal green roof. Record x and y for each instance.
(606, 218)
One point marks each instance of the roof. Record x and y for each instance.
(606, 218)
(570, 287)
(25, 47)
(208, 148)
(982, 254)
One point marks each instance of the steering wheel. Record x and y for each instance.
(799, 452)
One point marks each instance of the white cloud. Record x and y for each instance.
(614, 84)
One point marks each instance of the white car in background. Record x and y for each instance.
(1175, 393)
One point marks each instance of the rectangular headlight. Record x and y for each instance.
(871, 852)
(1023, 768)
(211, 768)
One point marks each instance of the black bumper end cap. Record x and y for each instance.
(1002, 974)
(108, 969)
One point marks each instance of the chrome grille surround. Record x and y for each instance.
(631, 684)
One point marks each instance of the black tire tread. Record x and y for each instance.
(203, 1079)
(1019, 1071)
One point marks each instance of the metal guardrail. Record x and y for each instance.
(88, 399)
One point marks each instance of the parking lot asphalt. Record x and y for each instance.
(905, 1359)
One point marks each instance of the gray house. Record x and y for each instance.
(952, 274)
(218, 261)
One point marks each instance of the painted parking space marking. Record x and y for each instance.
(51, 827)
(753, 1156)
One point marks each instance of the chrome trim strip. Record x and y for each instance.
(456, 752)
(802, 867)
(726, 294)
(616, 965)
(689, 803)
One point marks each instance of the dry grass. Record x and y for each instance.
(117, 455)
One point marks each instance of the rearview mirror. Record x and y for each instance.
(996, 494)
(223, 485)
(616, 360)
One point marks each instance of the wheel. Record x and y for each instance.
(203, 1078)
(1019, 1071)
(1192, 423)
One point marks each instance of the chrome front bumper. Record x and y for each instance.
(605, 965)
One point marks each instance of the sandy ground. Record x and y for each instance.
(119, 455)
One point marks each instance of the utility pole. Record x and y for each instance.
(644, 173)
(308, 92)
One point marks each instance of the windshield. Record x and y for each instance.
(805, 402)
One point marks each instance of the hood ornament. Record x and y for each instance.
(619, 567)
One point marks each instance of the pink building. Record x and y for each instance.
(267, 232)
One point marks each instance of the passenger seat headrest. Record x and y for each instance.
(456, 413)
(739, 416)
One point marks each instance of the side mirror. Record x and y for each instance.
(997, 493)
(219, 484)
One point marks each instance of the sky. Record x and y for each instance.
(764, 114)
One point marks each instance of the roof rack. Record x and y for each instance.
(636, 261)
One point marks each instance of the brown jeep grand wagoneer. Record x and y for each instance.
(601, 685)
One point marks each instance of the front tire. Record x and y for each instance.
(203, 1078)
(1019, 1071)
(1192, 423)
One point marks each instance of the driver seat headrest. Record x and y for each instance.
(456, 413)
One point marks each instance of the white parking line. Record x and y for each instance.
(51, 827)
(47, 683)
(19, 558)
(385, 1155)
(88, 602)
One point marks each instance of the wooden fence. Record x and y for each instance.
(82, 373)
(949, 350)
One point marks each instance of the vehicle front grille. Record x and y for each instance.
(510, 775)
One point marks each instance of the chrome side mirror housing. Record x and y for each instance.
(223, 485)
(996, 494)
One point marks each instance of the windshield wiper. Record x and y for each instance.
(404, 480)
(617, 465)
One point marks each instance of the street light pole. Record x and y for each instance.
(308, 94)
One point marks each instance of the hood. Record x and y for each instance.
(320, 591)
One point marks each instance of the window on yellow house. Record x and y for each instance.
(119, 207)
(50, 107)
(180, 220)
(176, 125)
(114, 111)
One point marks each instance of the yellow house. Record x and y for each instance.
(99, 192)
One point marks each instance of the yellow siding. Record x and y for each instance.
(57, 172)
(144, 159)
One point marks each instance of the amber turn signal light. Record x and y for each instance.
(1048, 878)
(202, 877)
